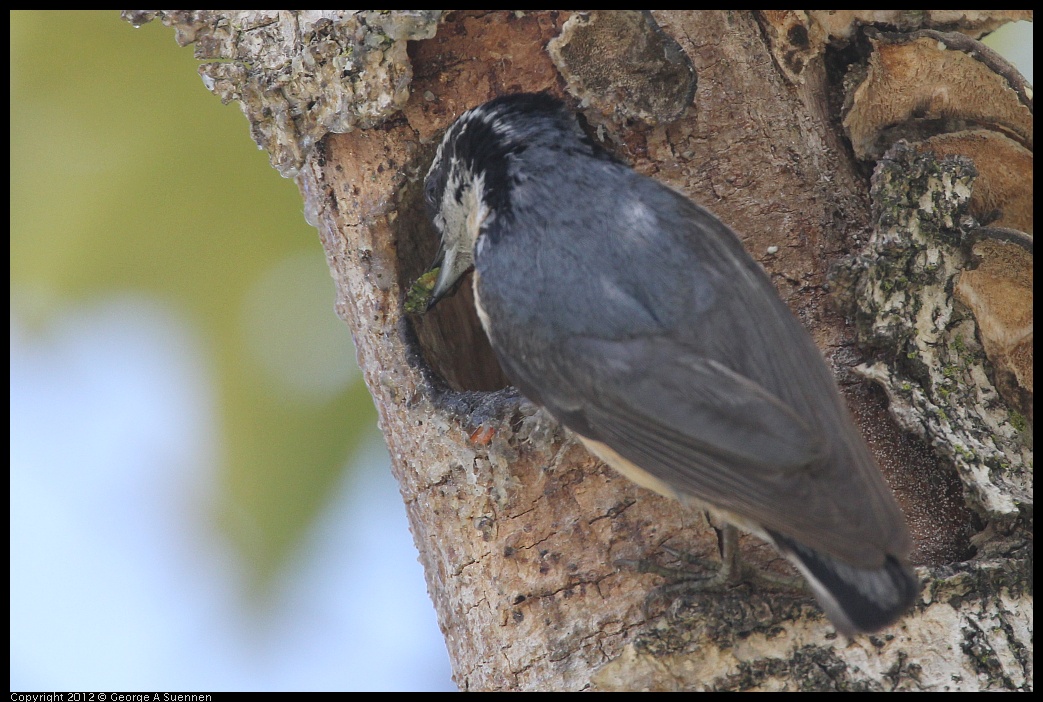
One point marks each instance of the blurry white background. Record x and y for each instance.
(200, 497)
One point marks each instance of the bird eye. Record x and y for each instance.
(429, 192)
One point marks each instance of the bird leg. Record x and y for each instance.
(729, 572)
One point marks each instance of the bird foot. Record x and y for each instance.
(711, 574)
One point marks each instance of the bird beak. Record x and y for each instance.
(451, 267)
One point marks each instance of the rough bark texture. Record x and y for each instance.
(530, 545)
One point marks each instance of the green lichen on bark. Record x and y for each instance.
(929, 359)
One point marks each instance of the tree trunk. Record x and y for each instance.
(531, 547)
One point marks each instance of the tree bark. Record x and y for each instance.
(530, 546)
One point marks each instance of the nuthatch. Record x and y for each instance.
(637, 319)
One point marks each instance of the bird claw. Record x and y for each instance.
(711, 575)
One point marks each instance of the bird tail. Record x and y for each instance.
(855, 599)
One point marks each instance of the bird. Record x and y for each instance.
(636, 318)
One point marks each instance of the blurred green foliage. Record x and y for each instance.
(129, 177)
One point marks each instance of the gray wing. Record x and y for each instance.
(711, 433)
(650, 391)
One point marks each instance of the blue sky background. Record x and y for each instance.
(117, 579)
(155, 253)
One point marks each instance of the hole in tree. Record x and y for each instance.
(449, 338)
